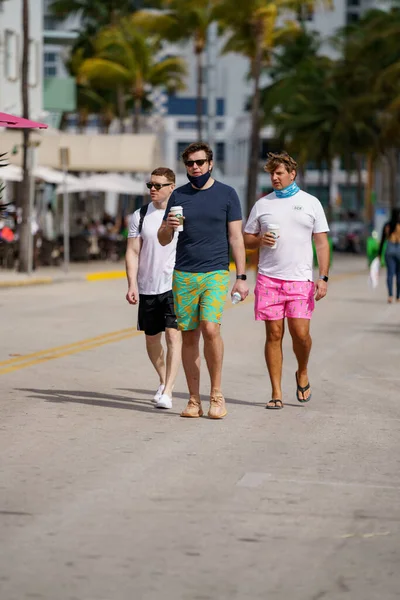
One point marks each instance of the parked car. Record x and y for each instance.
(349, 236)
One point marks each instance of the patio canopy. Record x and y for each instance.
(109, 182)
(13, 122)
(127, 153)
(14, 173)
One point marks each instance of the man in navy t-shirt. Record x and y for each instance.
(212, 221)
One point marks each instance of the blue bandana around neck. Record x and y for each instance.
(288, 191)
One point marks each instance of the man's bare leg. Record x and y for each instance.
(300, 332)
(191, 360)
(274, 356)
(191, 366)
(155, 352)
(173, 339)
(213, 352)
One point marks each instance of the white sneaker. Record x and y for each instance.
(164, 402)
(158, 393)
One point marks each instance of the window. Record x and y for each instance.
(51, 22)
(188, 106)
(352, 18)
(187, 124)
(180, 147)
(11, 55)
(50, 64)
(353, 2)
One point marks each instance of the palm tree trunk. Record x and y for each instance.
(199, 103)
(121, 108)
(25, 237)
(254, 154)
(360, 190)
(137, 109)
(392, 162)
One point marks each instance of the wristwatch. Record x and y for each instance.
(242, 277)
(323, 277)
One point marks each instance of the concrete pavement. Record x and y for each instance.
(103, 497)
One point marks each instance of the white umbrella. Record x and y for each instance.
(11, 173)
(14, 173)
(105, 183)
(53, 176)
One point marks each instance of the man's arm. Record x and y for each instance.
(133, 247)
(166, 232)
(323, 255)
(239, 256)
(252, 241)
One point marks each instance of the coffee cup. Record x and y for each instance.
(274, 229)
(177, 211)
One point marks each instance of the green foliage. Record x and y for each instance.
(323, 108)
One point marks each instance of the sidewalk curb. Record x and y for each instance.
(26, 282)
(103, 275)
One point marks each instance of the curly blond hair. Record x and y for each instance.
(275, 159)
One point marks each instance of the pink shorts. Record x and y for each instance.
(277, 299)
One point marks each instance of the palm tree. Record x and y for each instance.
(254, 29)
(98, 13)
(181, 21)
(126, 60)
(371, 56)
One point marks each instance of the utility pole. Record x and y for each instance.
(25, 230)
(211, 83)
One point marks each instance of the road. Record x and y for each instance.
(102, 497)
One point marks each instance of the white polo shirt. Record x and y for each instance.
(298, 216)
(156, 262)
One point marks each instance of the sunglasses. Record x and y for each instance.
(156, 186)
(200, 162)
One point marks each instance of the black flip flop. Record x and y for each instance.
(275, 400)
(302, 390)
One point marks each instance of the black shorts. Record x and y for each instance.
(156, 313)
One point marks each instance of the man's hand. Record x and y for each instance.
(241, 287)
(321, 289)
(132, 295)
(267, 239)
(172, 222)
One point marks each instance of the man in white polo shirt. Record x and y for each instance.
(149, 269)
(285, 287)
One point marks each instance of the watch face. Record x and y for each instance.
(243, 277)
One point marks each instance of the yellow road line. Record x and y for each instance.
(83, 347)
(35, 358)
(42, 353)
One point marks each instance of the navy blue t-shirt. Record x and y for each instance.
(203, 244)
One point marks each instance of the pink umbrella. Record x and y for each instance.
(7, 120)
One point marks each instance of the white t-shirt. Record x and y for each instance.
(298, 217)
(156, 262)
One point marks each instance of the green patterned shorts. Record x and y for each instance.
(199, 297)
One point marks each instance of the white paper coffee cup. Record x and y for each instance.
(177, 211)
(274, 229)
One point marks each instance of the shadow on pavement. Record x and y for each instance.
(205, 398)
(96, 399)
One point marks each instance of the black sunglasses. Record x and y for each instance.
(200, 162)
(156, 186)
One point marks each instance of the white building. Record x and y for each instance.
(11, 54)
(229, 88)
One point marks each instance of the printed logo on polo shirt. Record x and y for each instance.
(297, 207)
